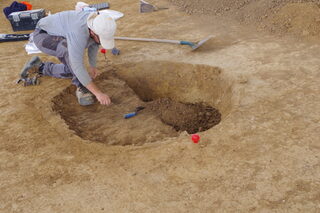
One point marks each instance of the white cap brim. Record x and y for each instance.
(107, 43)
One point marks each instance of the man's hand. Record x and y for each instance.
(104, 99)
(93, 72)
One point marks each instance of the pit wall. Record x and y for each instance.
(189, 83)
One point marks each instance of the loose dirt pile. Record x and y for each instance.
(186, 117)
(296, 17)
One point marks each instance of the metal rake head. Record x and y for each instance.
(146, 7)
(200, 43)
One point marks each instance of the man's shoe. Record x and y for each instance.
(29, 81)
(85, 97)
(33, 67)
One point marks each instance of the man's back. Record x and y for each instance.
(60, 24)
(72, 25)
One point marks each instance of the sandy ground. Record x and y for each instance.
(262, 157)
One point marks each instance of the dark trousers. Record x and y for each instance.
(55, 46)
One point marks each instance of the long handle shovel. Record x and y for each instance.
(194, 46)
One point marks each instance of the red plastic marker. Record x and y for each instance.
(104, 52)
(195, 138)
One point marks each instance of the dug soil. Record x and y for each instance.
(188, 117)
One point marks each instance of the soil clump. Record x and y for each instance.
(186, 116)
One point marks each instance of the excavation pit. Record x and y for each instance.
(173, 103)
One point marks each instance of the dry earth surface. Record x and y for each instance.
(261, 71)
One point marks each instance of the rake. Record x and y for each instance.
(193, 45)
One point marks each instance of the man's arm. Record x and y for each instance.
(92, 53)
(76, 53)
(93, 72)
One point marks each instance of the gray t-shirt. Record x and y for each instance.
(73, 26)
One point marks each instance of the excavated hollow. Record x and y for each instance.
(176, 97)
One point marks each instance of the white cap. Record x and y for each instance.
(105, 27)
(80, 5)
